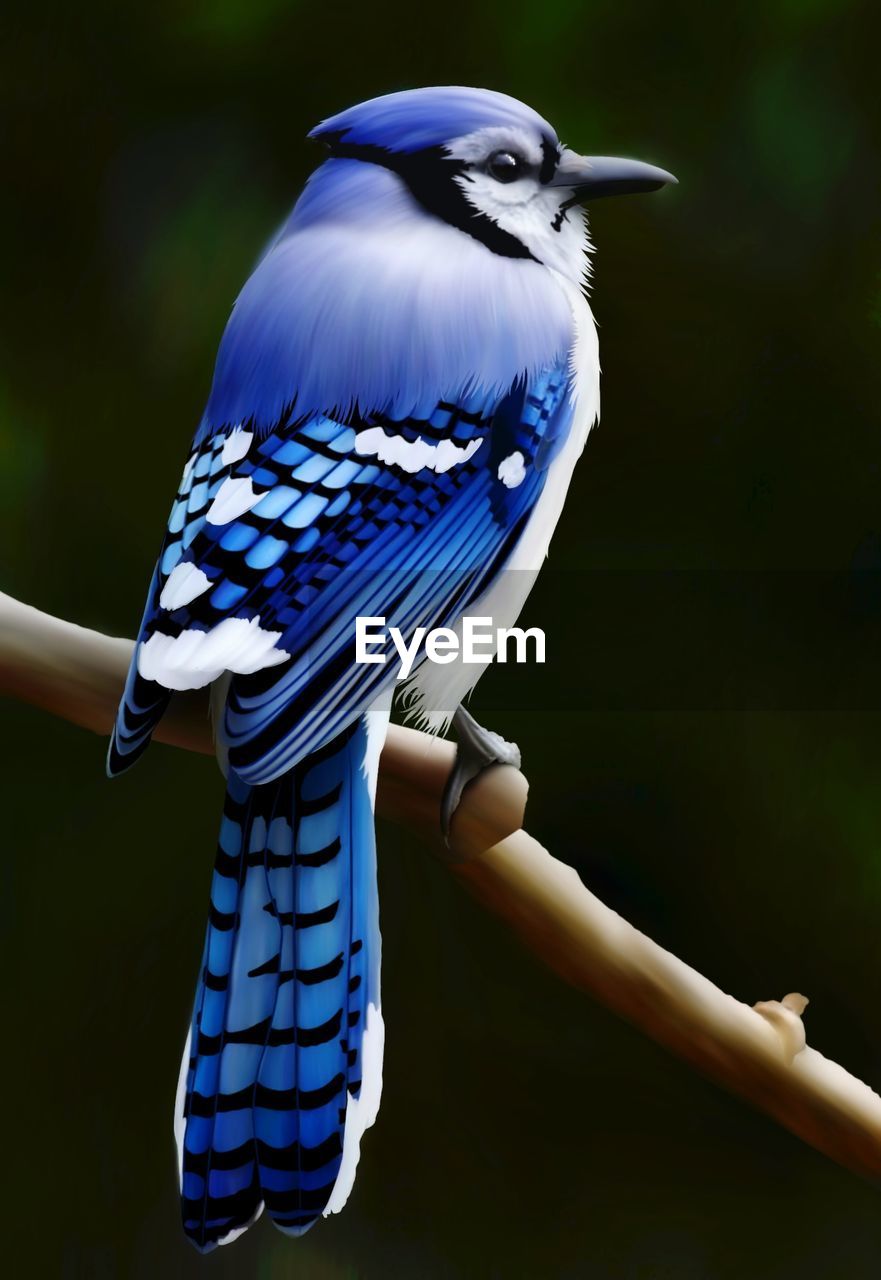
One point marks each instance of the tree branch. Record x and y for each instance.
(758, 1053)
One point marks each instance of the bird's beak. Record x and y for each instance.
(590, 177)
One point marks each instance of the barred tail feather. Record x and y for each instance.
(282, 1071)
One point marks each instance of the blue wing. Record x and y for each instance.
(277, 542)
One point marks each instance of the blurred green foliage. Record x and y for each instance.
(703, 744)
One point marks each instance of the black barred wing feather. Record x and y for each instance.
(144, 700)
(292, 536)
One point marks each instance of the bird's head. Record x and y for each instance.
(489, 166)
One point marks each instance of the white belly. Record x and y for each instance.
(435, 690)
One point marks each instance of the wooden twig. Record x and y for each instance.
(758, 1053)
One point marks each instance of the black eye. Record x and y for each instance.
(506, 166)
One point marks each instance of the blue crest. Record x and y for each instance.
(418, 118)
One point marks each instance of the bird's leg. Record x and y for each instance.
(477, 749)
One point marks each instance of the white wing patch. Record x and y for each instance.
(512, 471)
(196, 658)
(413, 455)
(185, 582)
(234, 497)
(235, 446)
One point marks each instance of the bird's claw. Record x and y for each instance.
(477, 749)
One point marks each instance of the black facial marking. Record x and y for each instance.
(562, 213)
(550, 158)
(431, 176)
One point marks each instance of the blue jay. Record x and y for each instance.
(400, 396)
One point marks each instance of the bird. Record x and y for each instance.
(400, 395)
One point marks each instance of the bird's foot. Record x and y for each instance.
(477, 749)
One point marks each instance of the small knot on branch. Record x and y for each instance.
(785, 1017)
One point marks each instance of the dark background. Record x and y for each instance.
(703, 743)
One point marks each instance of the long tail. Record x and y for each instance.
(283, 1067)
